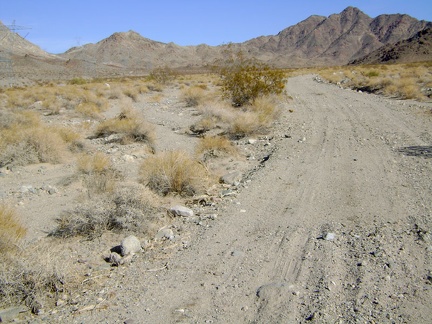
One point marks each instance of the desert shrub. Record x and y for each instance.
(132, 93)
(129, 209)
(99, 173)
(372, 74)
(266, 109)
(73, 140)
(193, 96)
(244, 124)
(27, 280)
(405, 81)
(213, 146)
(25, 141)
(11, 229)
(78, 81)
(162, 75)
(174, 173)
(245, 80)
(130, 126)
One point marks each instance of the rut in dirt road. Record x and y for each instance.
(334, 228)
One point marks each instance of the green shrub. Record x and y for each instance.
(245, 80)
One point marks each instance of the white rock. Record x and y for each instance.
(129, 245)
(166, 233)
(330, 236)
(182, 211)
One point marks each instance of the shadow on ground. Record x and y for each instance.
(422, 151)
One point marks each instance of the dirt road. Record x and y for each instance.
(334, 228)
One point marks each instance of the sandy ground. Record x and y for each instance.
(333, 227)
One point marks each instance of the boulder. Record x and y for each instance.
(183, 211)
(130, 244)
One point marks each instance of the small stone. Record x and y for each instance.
(60, 302)
(233, 178)
(181, 211)
(252, 140)
(129, 245)
(165, 233)
(128, 158)
(329, 236)
(115, 259)
(237, 253)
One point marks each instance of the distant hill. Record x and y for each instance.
(414, 49)
(316, 41)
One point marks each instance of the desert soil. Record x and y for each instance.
(331, 224)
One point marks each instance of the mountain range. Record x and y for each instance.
(347, 37)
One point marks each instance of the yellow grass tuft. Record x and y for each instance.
(215, 146)
(11, 229)
(174, 173)
(131, 127)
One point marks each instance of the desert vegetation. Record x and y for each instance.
(244, 80)
(91, 125)
(403, 81)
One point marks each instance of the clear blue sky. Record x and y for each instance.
(59, 25)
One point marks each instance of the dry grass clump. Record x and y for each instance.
(162, 75)
(251, 119)
(193, 96)
(72, 139)
(99, 173)
(174, 173)
(29, 280)
(215, 146)
(25, 140)
(405, 81)
(130, 126)
(88, 100)
(11, 229)
(129, 209)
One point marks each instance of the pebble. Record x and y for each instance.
(329, 236)
(165, 233)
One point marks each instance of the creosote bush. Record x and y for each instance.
(174, 172)
(244, 80)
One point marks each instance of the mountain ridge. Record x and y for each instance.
(317, 40)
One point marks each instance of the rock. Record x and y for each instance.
(252, 140)
(181, 211)
(115, 259)
(228, 192)
(329, 236)
(165, 233)
(28, 189)
(232, 178)
(128, 158)
(129, 245)
(10, 314)
(50, 189)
